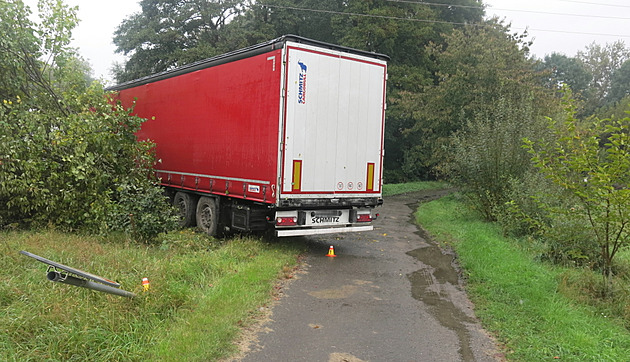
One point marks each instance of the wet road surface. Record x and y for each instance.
(389, 295)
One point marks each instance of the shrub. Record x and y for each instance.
(80, 171)
(487, 157)
(69, 157)
(592, 163)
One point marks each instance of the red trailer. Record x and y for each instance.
(287, 134)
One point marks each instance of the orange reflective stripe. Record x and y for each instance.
(297, 175)
(370, 177)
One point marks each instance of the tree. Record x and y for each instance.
(171, 33)
(24, 43)
(483, 71)
(486, 158)
(593, 164)
(566, 71)
(68, 156)
(602, 62)
(619, 83)
(264, 20)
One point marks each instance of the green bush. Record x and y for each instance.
(84, 170)
(69, 157)
(487, 157)
(142, 210)
(556, 237)
(592, 163)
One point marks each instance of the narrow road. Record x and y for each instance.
(389, 295)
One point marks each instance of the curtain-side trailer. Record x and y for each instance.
(286, 135)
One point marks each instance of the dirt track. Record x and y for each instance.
(389, 295)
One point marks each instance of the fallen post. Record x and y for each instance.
(61, 273)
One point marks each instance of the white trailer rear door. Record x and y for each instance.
(333, 123)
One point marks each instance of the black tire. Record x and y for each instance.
(186, 205)
(208, 215)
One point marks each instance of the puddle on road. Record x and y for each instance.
(427, 286)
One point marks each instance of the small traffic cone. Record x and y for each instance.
(145, 284)
(331, 252)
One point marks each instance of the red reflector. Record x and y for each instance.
(286, 221)
(364, 218)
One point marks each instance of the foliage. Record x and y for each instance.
(470, 124)
(557, 238)
(620, 83)
(593, 164)
(68, 155)
(486, 156)
(613, 110)
(24, 43)
(80, 171)
(267, 19)
(481, 71)
(171, 33)
(565, 71)
(602, 62)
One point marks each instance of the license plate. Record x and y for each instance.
(326, 218)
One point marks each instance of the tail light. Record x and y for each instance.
(286, 221)
(364, 218)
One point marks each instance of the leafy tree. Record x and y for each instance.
(620, 83)
(264, 20)
(68, 156)
(566, 71)
(170, 33)
(593, 164)
(482, 72)
(602, 62)
(24, 43)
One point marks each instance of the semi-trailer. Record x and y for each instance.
(286, 135)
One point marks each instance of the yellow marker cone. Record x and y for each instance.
(331, 252)
(145, 284)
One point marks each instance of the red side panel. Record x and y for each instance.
(216, 129)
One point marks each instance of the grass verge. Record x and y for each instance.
(200, 293)
(397, 189)
(516, 298)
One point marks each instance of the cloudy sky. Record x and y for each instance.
(563, 26)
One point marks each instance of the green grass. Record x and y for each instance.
(516, 298)
(201, 292)
(397, 189)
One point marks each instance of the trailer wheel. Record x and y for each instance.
(207, 215)
(186, 207)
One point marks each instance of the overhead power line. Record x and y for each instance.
(436, 4)
(513, 10)
(367, 15)
(592, 3)
(434, 21)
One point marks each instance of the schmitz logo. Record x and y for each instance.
(302, 84)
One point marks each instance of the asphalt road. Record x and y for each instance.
(388, 295)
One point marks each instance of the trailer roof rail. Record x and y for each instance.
(241, 54)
